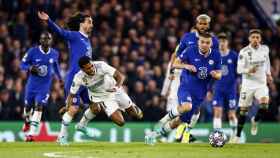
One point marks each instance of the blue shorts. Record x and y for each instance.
(185, 96)
(82, 94)
(34, 98)
(225, 99)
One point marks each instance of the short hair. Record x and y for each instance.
(222, 35)
(203, 17)
(74, 22)
(84, 60)
(205, 35)
(257, 31)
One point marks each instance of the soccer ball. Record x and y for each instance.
(217, 139)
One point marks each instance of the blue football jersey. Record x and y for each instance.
(47, 64)
(78, 44)
(198, 82)
(191, 39)
(229, 74)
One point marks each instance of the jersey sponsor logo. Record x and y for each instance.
(97, 84)
(211, 62)
(202, 72)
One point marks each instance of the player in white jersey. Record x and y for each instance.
(104, 84)
(254, 65)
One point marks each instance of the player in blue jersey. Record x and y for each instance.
(225, 89)
(191, 39)
(200, 65)
(78, 41)
(41, 62)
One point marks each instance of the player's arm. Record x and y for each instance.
(26, 63)
(56, 68)
(181, 62)
(243, 66)
(75, 86)
(119, 77)
(268, 71)
(53, 26)
(216, 74)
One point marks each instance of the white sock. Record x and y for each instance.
(233, 125)
(66, 120)
(35, 121)
(88, 115)
(194, 120)
(217, 123)
(164, 130)
(170, 115)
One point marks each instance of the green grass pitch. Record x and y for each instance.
(136, 150)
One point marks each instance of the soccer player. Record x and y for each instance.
(225, 89)
(189, 39)
(200, 64)
(41, 61)
(254, 65)
(104, 84)
(78, 41)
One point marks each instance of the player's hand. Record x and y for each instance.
(253, 70)
(191, 68)
(43, 15)
(171, 77)
(34, 70)
(216, 74)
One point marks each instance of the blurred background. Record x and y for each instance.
(135, 36)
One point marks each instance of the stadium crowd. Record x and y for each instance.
(137, 37)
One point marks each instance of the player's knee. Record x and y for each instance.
(175, 123)
(185, 107)
(95, 109)
(231, 116)
(72, 110)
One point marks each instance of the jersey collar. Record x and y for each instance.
(40, 48)
(84, 34)
(210, 51)
(225, 54)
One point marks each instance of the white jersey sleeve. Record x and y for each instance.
(242, 62)
(268, 72)
(107, 69)
(77, 83)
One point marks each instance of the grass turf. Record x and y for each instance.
(136, 150)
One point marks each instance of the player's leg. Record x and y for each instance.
(29, 100)
(68, 116)
(185, 105)
(41, 100)
(263, 101)
(126, 104)
(218, 103)
(232, 112)
(89, 114)
(245, 101)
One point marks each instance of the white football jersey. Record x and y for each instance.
(99, 84)
(250, 57)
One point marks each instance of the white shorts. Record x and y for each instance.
(117, 101)
(247, 95)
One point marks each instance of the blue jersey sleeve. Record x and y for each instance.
(218, 61)
(184, 56)
(215, 43)
(182, 45)
(69, 35)
(56, 66)
(26, 60)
